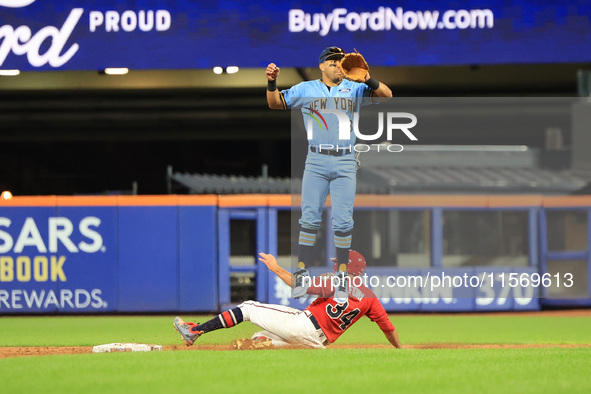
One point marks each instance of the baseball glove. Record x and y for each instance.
(354, 66)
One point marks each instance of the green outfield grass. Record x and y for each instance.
(536, 370)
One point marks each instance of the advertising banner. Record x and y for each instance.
(152, 256)
(185, 34)
(58, 260)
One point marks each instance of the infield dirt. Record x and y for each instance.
(7, 352)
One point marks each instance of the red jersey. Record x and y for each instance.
(335, 319)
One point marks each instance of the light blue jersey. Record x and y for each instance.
(314, 96)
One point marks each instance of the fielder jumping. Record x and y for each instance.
(323, 322)
(331, 164)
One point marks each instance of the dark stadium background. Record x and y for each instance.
(88, 133)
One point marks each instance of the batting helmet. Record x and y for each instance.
(356, 264)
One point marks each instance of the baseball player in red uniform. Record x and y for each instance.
(323, 322)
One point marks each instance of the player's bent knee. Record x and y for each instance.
(246, 308)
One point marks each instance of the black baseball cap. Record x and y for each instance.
(331, 53)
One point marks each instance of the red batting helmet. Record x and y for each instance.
(356, 265)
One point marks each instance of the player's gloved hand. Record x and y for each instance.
(355, 67)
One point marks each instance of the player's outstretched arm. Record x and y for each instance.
(273, 95)
(382, 90)
(394, 340)
(271, 263)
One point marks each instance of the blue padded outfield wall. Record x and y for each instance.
(142, 254)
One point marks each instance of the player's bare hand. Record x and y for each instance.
(272, 72)
(367, 77)
(269, 260)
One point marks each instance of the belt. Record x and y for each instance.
(331, 152)
(322, 336)
(314, 321)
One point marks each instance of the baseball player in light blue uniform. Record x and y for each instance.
(330, 164)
